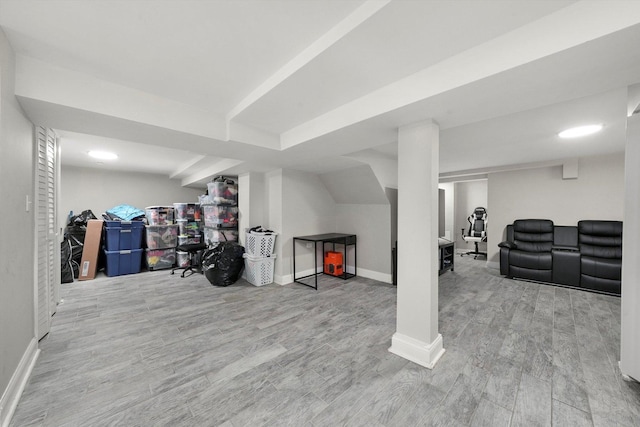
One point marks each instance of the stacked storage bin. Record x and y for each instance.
(259, 259)
(161, 237)
(220, 211)
(189, 221)
(122, 247)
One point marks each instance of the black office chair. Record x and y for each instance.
(193, 249)
(477, 231)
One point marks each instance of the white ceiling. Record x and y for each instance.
(139, 157)
(202, 87)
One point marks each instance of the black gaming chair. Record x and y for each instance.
(477, 231)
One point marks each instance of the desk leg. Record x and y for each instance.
(344, 261)
(294, 260)
(324, 246)
(355, 259)
(315, 263)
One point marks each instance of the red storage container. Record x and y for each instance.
(333, 263)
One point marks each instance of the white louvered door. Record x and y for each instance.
(46, 173)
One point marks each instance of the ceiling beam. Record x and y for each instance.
(344, 27)
(501, 54)
(481, 173)
(183, 168)
(211, 171)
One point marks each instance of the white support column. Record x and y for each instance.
(250, 202)
(630, 332)
(244, 205)
(417, 338)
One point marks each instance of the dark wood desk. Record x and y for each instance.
(330, 238)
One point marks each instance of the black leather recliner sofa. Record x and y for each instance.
(600, 247)
(588, 256)
(527, 254)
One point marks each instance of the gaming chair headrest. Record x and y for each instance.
(479, 213)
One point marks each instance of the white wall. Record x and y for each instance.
(307, 208)
(392, 195)
(99, 190)
(371, 225)
(299, 204)
(449, 203)
(357, 185)
(363, 208)
(251, 202)
(365, 197)
(597, 193)
(630, 316)
(469, 195)
(257, 194)
(273, 217)
(17, 330)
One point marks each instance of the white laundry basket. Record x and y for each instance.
(259, 270)
(260, 244)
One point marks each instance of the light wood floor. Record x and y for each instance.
(154, 349)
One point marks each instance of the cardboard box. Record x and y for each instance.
(91, 249)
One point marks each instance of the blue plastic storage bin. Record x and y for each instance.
(123, 262)
(124, 224)
(121, 235)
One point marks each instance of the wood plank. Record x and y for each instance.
(152, 348)
(533, 403)
(488, 414)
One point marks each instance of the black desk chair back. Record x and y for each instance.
(477, 231)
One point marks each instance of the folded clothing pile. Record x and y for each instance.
(259, 230)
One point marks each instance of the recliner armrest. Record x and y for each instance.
(507, 244)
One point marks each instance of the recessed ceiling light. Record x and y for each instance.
(103, 155)
(580, 131)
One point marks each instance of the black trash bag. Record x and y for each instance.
(66, 269)
(76, 268)
(82, 218)
(75, 234)
(223, 264)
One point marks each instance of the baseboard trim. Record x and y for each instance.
(288, 278)
(11, 395)
(416, 351)
(282, 280)
(375, 275)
